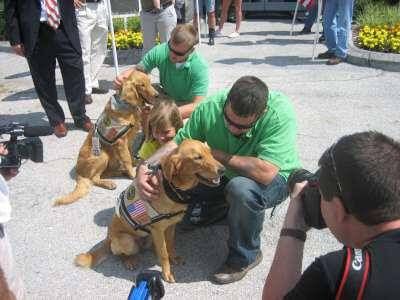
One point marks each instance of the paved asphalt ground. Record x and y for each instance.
(330, 101)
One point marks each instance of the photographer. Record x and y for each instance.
(10, 283)
(359, 187)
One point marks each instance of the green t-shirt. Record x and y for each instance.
(181, 84)
(272, 138)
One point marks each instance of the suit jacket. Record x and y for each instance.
(23, 22)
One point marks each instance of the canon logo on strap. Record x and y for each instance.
(358, 260)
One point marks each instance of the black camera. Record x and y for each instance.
(24, 143)
(311, 197)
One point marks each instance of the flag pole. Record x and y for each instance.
(198, 21)
(294, 17)
(114, 48)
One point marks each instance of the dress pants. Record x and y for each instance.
(92, 25)
(163, 23)
(54, 45)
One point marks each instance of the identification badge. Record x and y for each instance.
(95, 145)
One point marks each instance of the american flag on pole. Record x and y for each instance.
(137, 211)
(307, 3)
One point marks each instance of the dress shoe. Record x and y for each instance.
(326, 55)
(88, 99)
(335, 61)
(84, 124)
(304, 31)
(227, 274)
(60, 130)
(97, 90)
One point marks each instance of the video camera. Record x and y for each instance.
(24, 143)
(311, 197)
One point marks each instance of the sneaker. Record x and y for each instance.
(218, 33)
(226, 274)
(326, 55)
(234, 34)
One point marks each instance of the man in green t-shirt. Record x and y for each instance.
(252, 132)
(183, 72)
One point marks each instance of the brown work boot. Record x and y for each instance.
(326, 55)
(334, 61)
(226, 274)
(60, 130)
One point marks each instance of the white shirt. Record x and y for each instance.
(5, 206)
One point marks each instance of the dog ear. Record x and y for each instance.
(171, 166)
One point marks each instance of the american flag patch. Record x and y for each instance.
(137, 211)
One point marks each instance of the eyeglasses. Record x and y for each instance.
(177, 52)
(236, 125)
(335, 173)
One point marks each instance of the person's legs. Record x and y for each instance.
(166, 22)
(248, 201)
(224, 13)
(310, 20)
(148, 24)
(42, 64)
(211, 21)
(238, 14)
(330, 28)
(71, 66)
(86, 22)
(99, 42)
(344, 16)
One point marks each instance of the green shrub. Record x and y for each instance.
(118, 24)
(378, 14)
(133, 23)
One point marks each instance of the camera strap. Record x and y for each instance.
(355, 274)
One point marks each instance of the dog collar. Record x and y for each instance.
(119, 104)
(174, 193)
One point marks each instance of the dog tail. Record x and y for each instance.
(81, 190)
(94, 257)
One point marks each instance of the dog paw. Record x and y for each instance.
(177, 260)
(83, 260)
(130, 262)
(168, 277)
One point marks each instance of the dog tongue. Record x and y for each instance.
(216, 180)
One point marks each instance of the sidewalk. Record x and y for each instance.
(330, 101)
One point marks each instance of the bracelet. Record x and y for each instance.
(294, 233)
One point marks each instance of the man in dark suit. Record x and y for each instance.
(31, 36)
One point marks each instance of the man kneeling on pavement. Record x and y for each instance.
(252, 132)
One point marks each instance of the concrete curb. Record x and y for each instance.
(380, 60)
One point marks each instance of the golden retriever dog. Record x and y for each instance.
(189, 164)
(106, 150)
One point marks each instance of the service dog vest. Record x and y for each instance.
(136, 212)
(110, 129)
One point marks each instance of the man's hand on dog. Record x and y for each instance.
(120, 79)
(148, 184)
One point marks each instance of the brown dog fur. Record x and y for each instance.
(184, 168)
(114, 160)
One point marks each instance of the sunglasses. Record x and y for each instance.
(236, 125)
(176, 52)
(335, 173)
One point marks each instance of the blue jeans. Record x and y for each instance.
(338, 15)
(247, 201)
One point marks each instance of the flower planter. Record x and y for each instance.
(125, 57)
